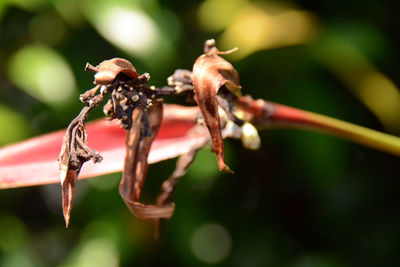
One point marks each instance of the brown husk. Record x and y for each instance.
(210, 73)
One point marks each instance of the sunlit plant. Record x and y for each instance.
(156, 131)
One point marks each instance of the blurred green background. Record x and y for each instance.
(303, 199)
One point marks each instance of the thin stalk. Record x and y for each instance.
(277, 115)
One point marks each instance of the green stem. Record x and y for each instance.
(272, 114)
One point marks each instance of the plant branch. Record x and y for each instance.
(267, 114)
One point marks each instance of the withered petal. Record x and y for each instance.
(68, 192)
(210, 73)
(136, 165)
(151, 212)
(130, 175)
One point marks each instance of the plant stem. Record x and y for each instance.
(271, 114)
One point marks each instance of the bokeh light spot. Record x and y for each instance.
(268, 30)
(131, 30)
(211, 243)
(99, 252)
(14, 126)
(253, 27)
(382, 96)
(216, 15)
(44, 74)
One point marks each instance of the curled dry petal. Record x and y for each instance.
(136, 165)
(108, 70)
(210, 74)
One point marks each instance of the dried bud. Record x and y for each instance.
(108, 70)
(210, 74)
(250, 137)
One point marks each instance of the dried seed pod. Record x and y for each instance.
(210, 74)
(108, 70)
(74, 153)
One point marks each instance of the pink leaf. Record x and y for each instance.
(34, 161)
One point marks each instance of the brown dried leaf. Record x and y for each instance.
(210, 74)
(136, 165)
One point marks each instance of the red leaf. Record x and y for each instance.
(34, 161)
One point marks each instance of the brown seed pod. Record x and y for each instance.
(108, 70)
(211, 73)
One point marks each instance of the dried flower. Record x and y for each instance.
(214, 76)
(128, 94)
(214, 84)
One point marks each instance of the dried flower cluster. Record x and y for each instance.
(213, 84)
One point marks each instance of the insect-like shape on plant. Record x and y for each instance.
(214, 85)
